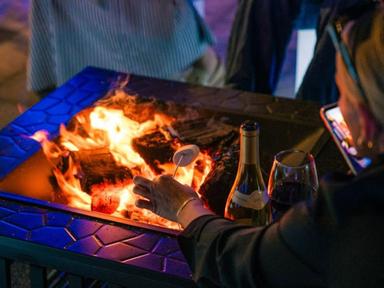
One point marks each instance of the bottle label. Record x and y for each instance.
(256, 200)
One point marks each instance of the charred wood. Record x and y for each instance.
(98, 166)
(207, 133)
(218, 183)
(155, 149)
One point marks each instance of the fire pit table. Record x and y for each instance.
(82, 247)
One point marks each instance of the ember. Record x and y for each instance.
(96, 156)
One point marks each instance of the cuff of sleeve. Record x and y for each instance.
(198, 224)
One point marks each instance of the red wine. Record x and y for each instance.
(286, 194)
(248, 200)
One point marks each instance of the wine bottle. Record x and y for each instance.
(248, 201)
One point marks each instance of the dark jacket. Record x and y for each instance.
(335, 242)
(259, 38)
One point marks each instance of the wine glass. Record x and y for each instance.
(293, 178)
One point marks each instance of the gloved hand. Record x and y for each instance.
(164, 196)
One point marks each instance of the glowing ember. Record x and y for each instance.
(105, 128)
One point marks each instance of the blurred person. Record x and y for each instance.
(334, 242)
(155, 38)
(261, 33)
(319, 82)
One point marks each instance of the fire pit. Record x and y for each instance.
(95, 135)
(74, 194)
(94, 157)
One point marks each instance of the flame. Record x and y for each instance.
(21, 108)
(109, 128)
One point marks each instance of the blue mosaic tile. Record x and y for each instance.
(62, 104)
(5, 212)
(11, 152)
(11, 230)
(28, 145)
(150, 261)
(166, 246)
(58, 219)
(144, 241)
(75, 110)
(6, 141)
(177, 267)
(61, 109)
(62, 92)
(119, 251)
(87, 246)
(52, 236)
(178, 255)
(102, 74)
(95, 86)
(12, 130)
(46, 104)
(5, 164)
(110, 234)
(81, 227)
(9, 148)
(77, 81)
(77, 97)
(57, 120)
(10, 205)
(30, 117)
(88, 101)
(25, 220)
(32, 209)
(51, 128)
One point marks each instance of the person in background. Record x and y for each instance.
(260, 34)
(155, 38)
(258, 44)
(319, 82)
(335, 242)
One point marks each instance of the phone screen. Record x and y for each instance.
(343, 138)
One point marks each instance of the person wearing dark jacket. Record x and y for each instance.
(337, 241)
(260, 36)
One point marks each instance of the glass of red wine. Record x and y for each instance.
(293, 178)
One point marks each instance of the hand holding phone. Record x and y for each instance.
(333, 120)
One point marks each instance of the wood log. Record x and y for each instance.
(218, 183)
(98, 166)
(155, 149)
(207, 133)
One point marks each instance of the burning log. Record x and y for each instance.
(155, 149)
(97, 167)
(207, 133)
(215, 189)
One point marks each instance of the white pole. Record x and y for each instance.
(306, 40)
(200, 7)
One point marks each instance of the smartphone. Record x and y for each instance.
(333, 120)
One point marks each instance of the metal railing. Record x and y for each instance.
(50, 268)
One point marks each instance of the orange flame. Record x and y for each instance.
(21, 108)
(110, 128)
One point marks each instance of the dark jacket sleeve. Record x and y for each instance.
(222, 253)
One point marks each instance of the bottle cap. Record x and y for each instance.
(249, 128)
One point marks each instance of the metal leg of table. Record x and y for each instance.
(5, 273)
(38, 276)
(75, 281)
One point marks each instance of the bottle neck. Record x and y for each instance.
(249, 150)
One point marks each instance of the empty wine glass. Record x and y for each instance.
(293, 178)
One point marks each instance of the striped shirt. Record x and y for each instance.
(157, 38)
